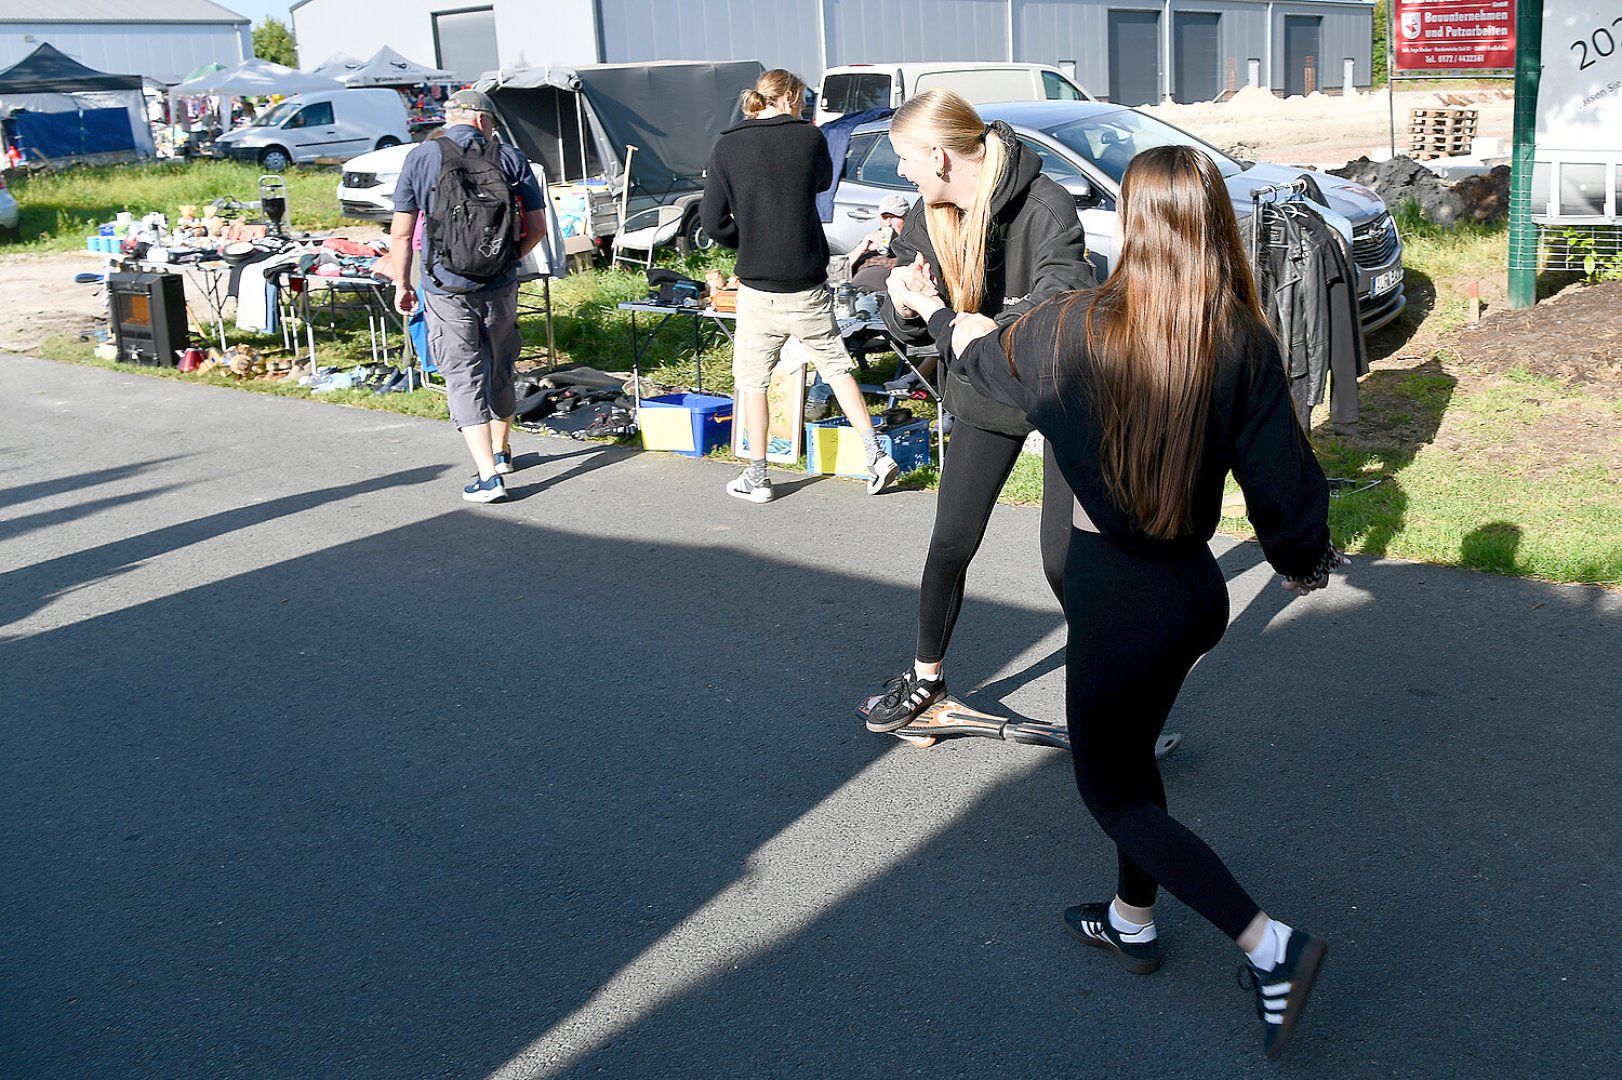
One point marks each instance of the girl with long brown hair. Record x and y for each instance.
(1150, 389)
(999, 238)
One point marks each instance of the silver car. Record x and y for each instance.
(1085, 147)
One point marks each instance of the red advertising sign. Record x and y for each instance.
(1443, 37)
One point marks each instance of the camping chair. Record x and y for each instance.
(647, 231)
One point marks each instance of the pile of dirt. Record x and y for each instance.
(1574, 338)
(1475, 198)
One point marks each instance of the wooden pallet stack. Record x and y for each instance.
(1444, 132)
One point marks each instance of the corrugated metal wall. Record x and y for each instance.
(867, 31)
(778, 35)
(165, 51)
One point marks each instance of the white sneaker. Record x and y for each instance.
(744, 488)
(881, 474)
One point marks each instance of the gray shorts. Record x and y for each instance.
(767, 319)
(473, 340)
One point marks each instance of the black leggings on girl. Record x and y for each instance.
(1136, 628)
(977, 465)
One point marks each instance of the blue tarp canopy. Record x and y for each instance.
(74, 134)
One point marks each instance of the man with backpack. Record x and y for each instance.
(482, 211)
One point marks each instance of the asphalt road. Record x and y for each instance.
(310, 770)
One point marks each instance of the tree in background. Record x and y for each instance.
(1378, 68)
(273, 41)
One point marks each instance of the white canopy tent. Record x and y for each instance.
(389, 68)
(338, 65)
(252, 78)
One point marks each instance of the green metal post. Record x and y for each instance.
(1523, 234)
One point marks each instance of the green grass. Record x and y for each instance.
(59, 209)
(1476, 502)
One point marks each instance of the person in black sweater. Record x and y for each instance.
(999, 238)
(760, 195)
(1150, 390)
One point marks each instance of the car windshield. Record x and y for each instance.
(275, 116)
(1113, 139)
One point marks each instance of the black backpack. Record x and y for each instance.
(473, 226)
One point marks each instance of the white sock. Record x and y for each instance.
(1137, 933)
(1270, 953)
(918, 670)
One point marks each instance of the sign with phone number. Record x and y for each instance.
(1446, 37)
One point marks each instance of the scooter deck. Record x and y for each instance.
(950, 718)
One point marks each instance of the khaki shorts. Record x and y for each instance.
(767, 319)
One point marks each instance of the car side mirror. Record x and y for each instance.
(1081, 189)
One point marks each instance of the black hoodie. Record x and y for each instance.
(1036, 250)
(760, 197)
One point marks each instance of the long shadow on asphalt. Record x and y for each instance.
(328, 818)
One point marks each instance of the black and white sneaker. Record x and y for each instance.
(904, 697)
(1090, 925)
(1281, 994)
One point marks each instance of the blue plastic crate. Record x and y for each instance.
(832, 446)
(707, 423)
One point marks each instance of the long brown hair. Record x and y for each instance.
(769, 87)
(944, 118)
(1181, 285)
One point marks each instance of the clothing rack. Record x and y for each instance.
(1267, 196)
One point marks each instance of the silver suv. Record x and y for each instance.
(1085, 147)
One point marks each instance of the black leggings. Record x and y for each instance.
(973, 473)
(1136, 628)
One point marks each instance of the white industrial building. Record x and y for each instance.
(161, 39)
(1133, 51)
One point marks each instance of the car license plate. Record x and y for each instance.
(1387, 281)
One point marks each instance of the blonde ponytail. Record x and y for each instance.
(944, 118)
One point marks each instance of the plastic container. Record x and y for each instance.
(687, 424)
(832, 446)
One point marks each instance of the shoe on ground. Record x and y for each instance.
(881, 474)
(815, 410)
(504, 463)
(485, 491)
(1281, 994)
(1090, 925)
(905, 696)
(744, 488)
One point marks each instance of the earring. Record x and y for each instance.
(941, 174)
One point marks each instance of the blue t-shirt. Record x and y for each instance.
(414, 191)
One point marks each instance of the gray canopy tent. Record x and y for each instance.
(578, 120)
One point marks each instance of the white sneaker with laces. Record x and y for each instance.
(744, 488)
(881, 474)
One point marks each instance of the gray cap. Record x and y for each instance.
(894, 204)
(470, 101)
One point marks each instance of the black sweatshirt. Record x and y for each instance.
(1035, 250)
(1251, 430)
(760, 197)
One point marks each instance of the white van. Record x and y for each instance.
(854, 87)
(336, 124)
